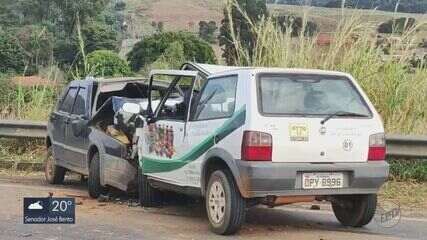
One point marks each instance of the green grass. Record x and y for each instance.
(29, 102)
(408, 170)
(398, 92)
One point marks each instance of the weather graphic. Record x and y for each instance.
(35, 206)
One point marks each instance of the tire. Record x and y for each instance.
(94, 180)
(53, 173)
(355, 210)
(147, 195)
(225, 207)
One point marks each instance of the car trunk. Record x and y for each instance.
(307, 140)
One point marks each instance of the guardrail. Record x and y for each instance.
(397, 145)
(406, 146)
(22, 129)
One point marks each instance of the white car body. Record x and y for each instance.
(300, 144)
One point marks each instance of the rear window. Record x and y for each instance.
(292, 94)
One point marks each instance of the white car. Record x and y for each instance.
(246, 136)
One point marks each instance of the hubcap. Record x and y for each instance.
(216, 202)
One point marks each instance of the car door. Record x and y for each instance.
(164, 143)
(59, 122)
(76, 131)
(212, 119)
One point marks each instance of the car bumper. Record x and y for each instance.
(261, 179)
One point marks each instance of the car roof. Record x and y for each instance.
(105, 82)
(216, 70)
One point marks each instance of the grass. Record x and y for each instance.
(398, 91)
(21, 150)
(412, 196)
(408, 170)
(29, 102)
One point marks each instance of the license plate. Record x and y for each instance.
(322, 180)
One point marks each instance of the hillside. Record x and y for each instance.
(185, 15)
(406, 6)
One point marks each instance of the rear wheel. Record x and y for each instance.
(147, 195)
(224, 205)
(54, 174)
(94, 180)
(355, 210)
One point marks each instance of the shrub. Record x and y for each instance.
(106, 63)
(399, 25)
(12, 56)
(150, 48)
(120, 6)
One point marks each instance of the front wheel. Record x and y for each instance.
(54, 174)
(94, 180)
(355, 210)
(225, 206)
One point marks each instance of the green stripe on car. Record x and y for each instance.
(156, 165)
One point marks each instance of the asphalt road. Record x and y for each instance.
(117, 220)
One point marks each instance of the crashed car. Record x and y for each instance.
(91, 132)
(238, 137)
(248, 136)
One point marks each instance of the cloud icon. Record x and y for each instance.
(35, 206)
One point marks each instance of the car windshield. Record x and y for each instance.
(292, 94)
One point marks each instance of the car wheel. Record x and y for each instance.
(226, 208)
(54, 174)
(94, 180)
(147, 195)
(355, 210)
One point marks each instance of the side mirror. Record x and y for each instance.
(131, 108)
(79, 127)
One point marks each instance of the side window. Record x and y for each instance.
(217, 99)
(80, 104)
(68, 102)
(178, 101)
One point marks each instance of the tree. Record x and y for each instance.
(37, 44)
(172, 58)
(255, 10)
(296, 25)
(151, 47)
(12, 56)
(207, 31)
(398, 26)
(99, 36)
(104, 63)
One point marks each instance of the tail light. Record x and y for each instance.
(377, 147)
(257, 146)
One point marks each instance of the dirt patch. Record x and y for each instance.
(32, 81)
(184, 14)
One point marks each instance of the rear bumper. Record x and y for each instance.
(261, 179)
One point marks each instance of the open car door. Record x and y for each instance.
(163, 146)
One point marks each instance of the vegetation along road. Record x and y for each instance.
(120, 219)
